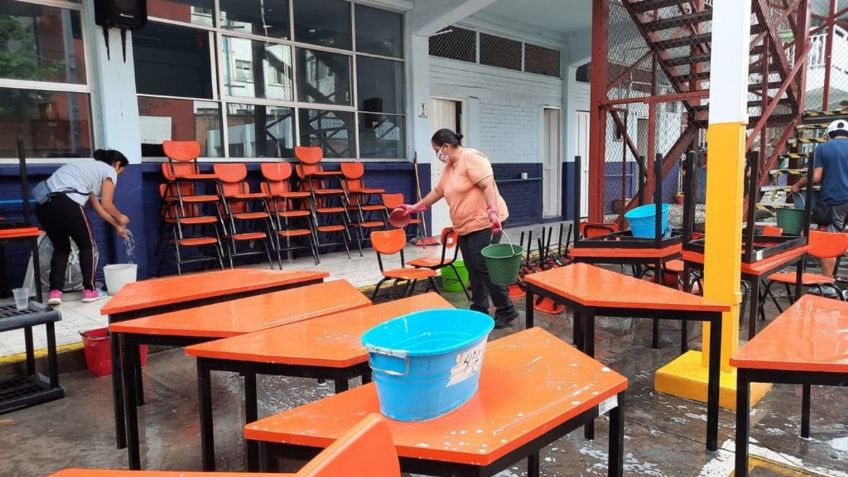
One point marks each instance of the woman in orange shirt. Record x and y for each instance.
(476, 210)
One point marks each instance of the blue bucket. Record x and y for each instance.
(642, 220)
(427, 363)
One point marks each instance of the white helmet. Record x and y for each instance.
(838, 126)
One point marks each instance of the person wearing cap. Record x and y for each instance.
(60, 208)
(477, 212)
(831, 171)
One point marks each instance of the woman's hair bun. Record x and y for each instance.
(459, 137)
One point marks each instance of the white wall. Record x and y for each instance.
(502, 109)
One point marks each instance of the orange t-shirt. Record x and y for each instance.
(465, 199)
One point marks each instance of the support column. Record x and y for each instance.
(115, 106)
(597, 119)
(418, 74)
(687, 375)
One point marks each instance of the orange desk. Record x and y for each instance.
(220, 320)
(29, 234)
(160, 295)
(153, 473)
(534, 389)
(591, 291)
(326, 347)
(753, 274)
(807, 344)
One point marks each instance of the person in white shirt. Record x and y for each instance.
(60, 208)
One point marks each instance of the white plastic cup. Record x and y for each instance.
(21, 298)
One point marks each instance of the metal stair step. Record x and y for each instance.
(690, 40)
(688, 60)
(679, 20)
(648, 5)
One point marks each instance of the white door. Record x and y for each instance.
(552, 163)
(445, 114)
(582, 125)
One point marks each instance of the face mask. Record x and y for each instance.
(442, 156)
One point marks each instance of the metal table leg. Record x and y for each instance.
(589, 345)
(130, 354)
(251, 414)
(714, 382)
(616, 439)
(207, 437)
(754, 306)
(743, 390)
(117, 392)
(805, 410)
(52, 361)
(529, 310)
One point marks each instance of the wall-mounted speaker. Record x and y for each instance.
(124, 14)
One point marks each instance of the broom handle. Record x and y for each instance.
(418, 189)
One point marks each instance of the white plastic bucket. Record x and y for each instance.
(118, 275)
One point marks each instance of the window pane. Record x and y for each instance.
(274, 126)
(179, 120)
(499, 51)
(255, 69)
(323, 22)
(455, 43)
(196, 12)
(379, 31)
(40, 43)
(332, 130)
(323, 77)
(380, 84)
(260, 17)
(541, 60)
(381, 136)
(172, 61)
(52, 124)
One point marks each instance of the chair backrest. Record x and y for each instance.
(353, 170)
(772, 231)
(827, 244)
(449, 238)
(276, 171)
(309, 155)
(174, 170)
(392, 201)
(388, 242)
(591, 230)
(181, 151)
(232, 177)
(366, 449)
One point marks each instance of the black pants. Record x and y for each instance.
(481, 286)
(63, 219)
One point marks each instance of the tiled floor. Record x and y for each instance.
(360, 271)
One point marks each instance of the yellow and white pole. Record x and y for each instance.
(729, 63)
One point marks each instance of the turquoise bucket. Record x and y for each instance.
(426, 364)
(643, 220)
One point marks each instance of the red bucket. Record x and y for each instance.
(98, 357)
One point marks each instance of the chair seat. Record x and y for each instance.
(429, 262)
(368, 208)
(197, 241)
(193, 199)
(198, 220)
(329, 192)
(323, 174)
(674, 266)
(248, 236)
(294, 233)
(251, 195)
(807, 279)
(368, 225)
(366, 190)
(330, 210)
(292, 195)
(250, 215)
(199, 177)
(409, 273)
(330, 228)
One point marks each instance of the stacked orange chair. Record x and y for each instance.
(365, 450)
(292, 214)
(449, 241)
(329, 201)
(245, 213)
(190, 209)
(392, 242)
(361, 199)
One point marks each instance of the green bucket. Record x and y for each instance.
(790, 220)
(450, 283)
(503, 261)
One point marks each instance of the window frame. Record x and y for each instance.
(224, 100)
(59, 86)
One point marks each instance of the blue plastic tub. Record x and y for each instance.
(427, 363)
(643, 220)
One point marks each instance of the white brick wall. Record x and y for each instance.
(503, 108)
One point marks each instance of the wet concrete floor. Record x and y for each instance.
(664, 435)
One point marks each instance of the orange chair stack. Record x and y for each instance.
(362, 202)
(292, 213)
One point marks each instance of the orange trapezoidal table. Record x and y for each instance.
(160, 295)
(220, 320)
(807, 344)
(591, 291)
(753, 274)
(325, 347)
(154, 473)
(534, 389)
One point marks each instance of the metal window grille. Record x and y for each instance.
(499, 51)
(455, 43)
(584, 73)
(541, 60)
